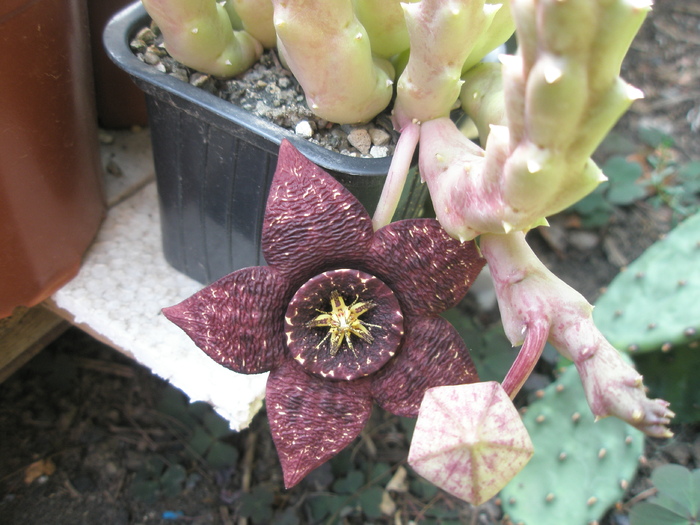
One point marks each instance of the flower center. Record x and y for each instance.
(343, 324)
(344, 321)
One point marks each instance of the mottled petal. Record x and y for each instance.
(311, 220)
(312, 419)
(433, 354)
(238, 320)
(429, 270)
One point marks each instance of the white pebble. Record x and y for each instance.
(379, 152)
(303, 129)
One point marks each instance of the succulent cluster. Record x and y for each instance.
(540, 114)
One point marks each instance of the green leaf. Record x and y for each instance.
(350, 483)
(627, 193)
(370, 501)
(592, 202)
(655, 137)
(408, 424)
(257, 504)
(669, 503)
(671, 376)
(153, 467)
(221, 455)
(423, 489)
(287, 517)
(619, 169)
(380, 472)
(647, 513)
(491, 351)
(622, 175)
(617, 143)
(323, 505)
(199, 408)
(172, 479)
(677, 483)
(201, 440)
(690, 170)
(145, 490)
(341, 463)
(217, 426)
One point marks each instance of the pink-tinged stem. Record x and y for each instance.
(531, 350)
(396, 178)
(528, 294)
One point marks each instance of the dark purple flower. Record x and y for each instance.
(342, 316)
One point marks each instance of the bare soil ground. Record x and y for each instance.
(86, 436)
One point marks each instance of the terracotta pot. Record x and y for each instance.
(51, 201)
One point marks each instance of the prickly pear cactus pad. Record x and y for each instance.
(654, 303)
(672, 375)
(580, 467)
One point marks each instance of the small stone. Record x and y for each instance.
(583, 240)
(158, 51)
(113, 168)
(379, 152)
(146, 35)
(138, 46)
(180, 74)
(151, 58)
(199, 79)
(283, 82)
(379, 136)
(105, 138)
(304, 129)
(360, 139)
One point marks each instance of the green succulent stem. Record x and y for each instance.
(199, 33)
(329, 52)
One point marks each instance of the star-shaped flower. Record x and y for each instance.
(342, 316)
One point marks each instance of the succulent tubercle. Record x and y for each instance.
(530, 296)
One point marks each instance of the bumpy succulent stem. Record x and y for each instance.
(481, 97)
(329, 53)
(530, 296)
(385, 25)
(199, 34)
(442, 34)
(499, 31)
(562, 94)
(256, 17)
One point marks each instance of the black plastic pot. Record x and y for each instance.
(214, 163)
